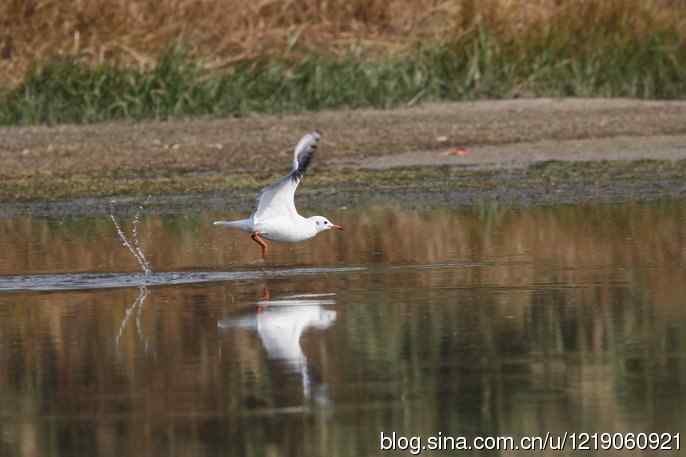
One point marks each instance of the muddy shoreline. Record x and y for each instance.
(514, 188)
(521, 152)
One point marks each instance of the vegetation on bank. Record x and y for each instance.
(462, 50)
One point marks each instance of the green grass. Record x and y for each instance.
(479, 66)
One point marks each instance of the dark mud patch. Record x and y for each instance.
(551, 182)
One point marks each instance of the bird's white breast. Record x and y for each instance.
(286, 229)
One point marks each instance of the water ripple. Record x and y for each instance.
(87, 281)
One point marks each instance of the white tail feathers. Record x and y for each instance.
(243, 224)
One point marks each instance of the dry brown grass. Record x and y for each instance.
(222, 32)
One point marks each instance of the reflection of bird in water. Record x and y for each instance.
(280, 324)
(276, 218)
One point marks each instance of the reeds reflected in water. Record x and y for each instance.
(494, 321)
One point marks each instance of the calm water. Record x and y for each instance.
(475, 323)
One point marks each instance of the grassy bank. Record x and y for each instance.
(476, 67)
(325, 57)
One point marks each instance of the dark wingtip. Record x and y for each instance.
(305, 158)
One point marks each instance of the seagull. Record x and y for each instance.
(276, 218)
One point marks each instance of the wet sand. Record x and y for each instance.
(529, 151)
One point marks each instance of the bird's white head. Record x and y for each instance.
(321, 223)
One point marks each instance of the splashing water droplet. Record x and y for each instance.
(133, 245)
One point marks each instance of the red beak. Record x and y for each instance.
(337, 227)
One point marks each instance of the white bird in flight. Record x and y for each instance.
(276, 218)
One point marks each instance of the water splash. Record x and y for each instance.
(133, 245)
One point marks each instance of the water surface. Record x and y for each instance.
(473, 322)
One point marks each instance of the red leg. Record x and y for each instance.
(265, 294)
(263, 244)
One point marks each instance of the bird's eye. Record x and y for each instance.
(326, 222)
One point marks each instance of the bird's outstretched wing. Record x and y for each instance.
(277, 199)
